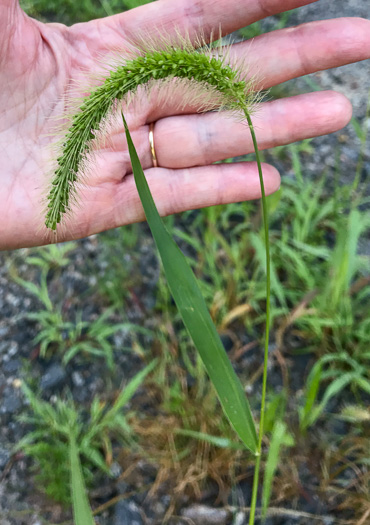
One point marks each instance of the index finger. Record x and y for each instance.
(190, 18)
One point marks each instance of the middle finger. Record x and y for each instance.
(282, 55)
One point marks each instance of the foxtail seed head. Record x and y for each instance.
(169, 62)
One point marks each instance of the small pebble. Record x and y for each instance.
(54, 376)
(204, 515)
(127, 513)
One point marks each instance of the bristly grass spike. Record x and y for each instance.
(209, 78)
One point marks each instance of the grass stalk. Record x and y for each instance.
(267, 330)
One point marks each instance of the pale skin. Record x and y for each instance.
(38, 62)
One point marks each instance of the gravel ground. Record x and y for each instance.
(17, 492)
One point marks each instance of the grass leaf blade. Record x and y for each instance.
(81, 509)
(272, 463)
(194, 313)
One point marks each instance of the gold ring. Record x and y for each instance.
(151, 143)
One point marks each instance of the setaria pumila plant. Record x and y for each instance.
(213, 82)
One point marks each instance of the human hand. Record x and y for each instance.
(39, 61)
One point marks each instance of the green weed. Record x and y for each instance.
(53, 426)
(57, 335)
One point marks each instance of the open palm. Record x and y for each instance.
(39, 62)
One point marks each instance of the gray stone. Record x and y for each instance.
(10, 403)
(4, 457)
(3, 331)
(240, 518)
(13, 349)
(12, 366)
(115, 470)
(127, 513)
(53, 377)
(77, 379)
(204, 515)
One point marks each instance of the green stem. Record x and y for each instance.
(267, 333)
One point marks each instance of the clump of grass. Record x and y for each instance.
(58, 334)
(92, 431)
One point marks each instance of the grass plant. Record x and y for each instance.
(62, 430)
(58, 333)
(221, 86)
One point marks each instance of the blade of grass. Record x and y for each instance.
(312, 389)
(217, 441)
(130, 389)
(194, 313)
(272, 463)
(333, 389)
(81, 509)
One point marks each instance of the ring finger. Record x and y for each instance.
(184, 141)
(201, 139)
